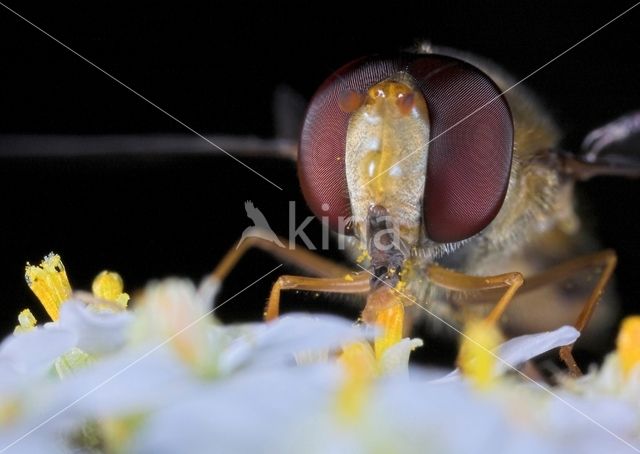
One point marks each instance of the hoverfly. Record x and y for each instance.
(453, 186)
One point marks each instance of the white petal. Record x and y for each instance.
(35, 351)
(135, 380)
(585, 424)
(98, 332)
(421, 417)
(249, 413)
(14, 442)
(521, 349)
(278, 342)
(452, 376)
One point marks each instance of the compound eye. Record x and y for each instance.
(470, 149)
(321, 156)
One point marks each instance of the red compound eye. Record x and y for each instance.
(321, 167)
(470, 150)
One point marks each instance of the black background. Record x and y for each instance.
(216, 70)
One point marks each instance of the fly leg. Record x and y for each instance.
(357, 283)
(334, 278)
(302, 258)
(606, 261)
(453, 280)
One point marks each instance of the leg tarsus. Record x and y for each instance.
(567, 357)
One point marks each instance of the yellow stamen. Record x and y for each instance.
(362, 363)
(359, 364)
(476, 358)
(628, 343)
(391, 321)
(26, 322)
(108, 285)
(50, 284)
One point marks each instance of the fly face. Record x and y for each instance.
(386, 156)
(429, 138)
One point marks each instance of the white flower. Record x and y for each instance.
(294, 410)
(153, 371)
(168, 377)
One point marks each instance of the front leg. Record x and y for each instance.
(297, 256)
(350, 283)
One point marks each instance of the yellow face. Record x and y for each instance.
(386, 155)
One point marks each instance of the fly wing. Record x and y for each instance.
(612, 149)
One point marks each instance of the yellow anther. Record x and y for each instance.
(26, 322)
(108, 285)
(628, 343)
(476, 358)
(348, 278)
(50, 284)
(391, 321)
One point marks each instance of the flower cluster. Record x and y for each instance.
(162, 374)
